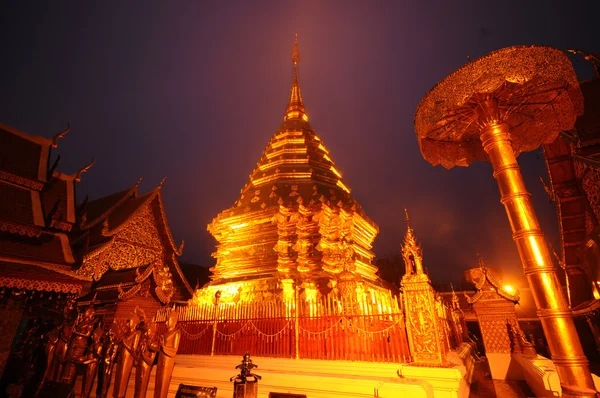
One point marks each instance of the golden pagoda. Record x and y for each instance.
(294, 226)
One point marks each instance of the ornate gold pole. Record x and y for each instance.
(297, 323)
(507, 102)
(554, 313)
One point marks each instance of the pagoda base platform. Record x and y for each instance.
(315, 378)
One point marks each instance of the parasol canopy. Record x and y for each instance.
(536, 90)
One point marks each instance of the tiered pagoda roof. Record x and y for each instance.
(296, 167)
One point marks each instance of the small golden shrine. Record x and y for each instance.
(295, 224)
(429, 336)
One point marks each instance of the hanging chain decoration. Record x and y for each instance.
(260, 333)
(349, 321)
(194, 336)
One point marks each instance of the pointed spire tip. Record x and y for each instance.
(295, 108)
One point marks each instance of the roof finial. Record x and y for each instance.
(295, 108)
(83, 170)
(407, 219)
(295, 52)
(60, 135)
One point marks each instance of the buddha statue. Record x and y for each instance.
(52, 339)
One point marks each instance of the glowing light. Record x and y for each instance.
(286, 141)
(285, 151)
(322, 147)
(276, 163)
(336, 172)
(509, 289)
(238, 226)
(281, 176)
(344, 187)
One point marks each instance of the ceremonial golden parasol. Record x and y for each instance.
(492, 109)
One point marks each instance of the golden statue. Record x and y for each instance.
(76, 353)
(94, 353)
(127, 348)
(169, 344)
(51, 344)
(110, 345)
(60, 352)
(146, 354)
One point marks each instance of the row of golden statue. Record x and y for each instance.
(83, 347)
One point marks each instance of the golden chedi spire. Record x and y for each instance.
(295, 108)
(295, 219)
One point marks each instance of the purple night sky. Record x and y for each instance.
(193, 91)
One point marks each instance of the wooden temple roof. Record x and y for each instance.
(44, 242)
(36, 212)
(573, 164)
(105, 218)
(40, 276)
(23, 158)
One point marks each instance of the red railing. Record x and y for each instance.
(275, 329)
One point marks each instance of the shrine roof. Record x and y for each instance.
(111, 213)
(17, 206)
(23, 155)
(48, 247)
(295, 168)
(127, 209)
(60, 192)
(99, 209)
(99, 297)
(113, 278)
(41, 277)
(588, 124)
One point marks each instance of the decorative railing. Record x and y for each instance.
(317, 330)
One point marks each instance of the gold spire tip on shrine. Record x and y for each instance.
(295, 108)
(407, 219)
(295, 52)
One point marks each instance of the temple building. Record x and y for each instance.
(294, 225)
(125, 246)
(573, 163)
(37, 213)
(116, 252)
